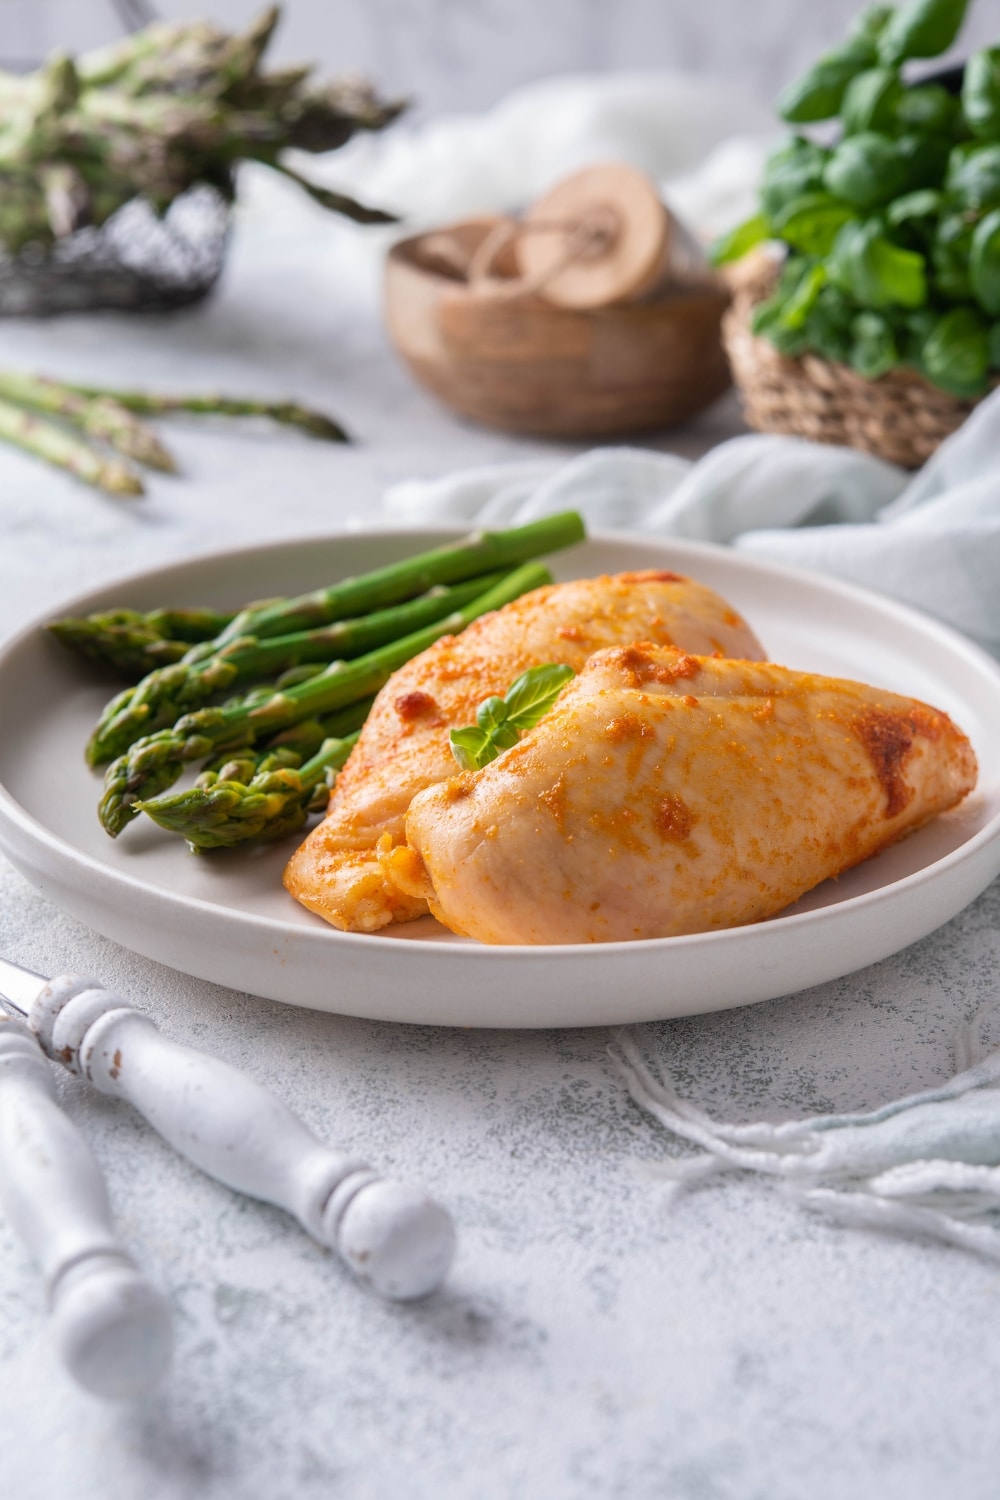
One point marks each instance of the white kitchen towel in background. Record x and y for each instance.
(932, 540)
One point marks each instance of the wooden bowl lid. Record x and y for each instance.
(601, 236)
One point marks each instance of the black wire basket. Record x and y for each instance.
(137, 261)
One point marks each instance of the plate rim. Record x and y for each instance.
(12, 811)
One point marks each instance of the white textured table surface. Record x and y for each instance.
(591, 1341)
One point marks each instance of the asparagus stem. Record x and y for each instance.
(266, 690)
(344, 639)
(290, 748)
(152, 764)
(47, 440)
(339, 203)
(275, 802)
(479, 553)
(166, 693)
(287, 413)
(99, 416)
(155, 703)
(190, 624)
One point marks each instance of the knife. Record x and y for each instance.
(391, 1235)
(112, 1327)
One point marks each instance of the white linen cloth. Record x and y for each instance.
(932, 540)
(928, 1163)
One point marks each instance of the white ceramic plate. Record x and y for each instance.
(225, 917)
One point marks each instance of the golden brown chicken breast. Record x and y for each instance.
(666, 793)
(343, 871)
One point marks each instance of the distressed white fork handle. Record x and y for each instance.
(391, 1235)
(112, 1328)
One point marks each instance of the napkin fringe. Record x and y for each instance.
(925, 1164)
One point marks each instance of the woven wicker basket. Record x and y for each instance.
(900, 417)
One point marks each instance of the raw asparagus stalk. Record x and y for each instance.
(287, 413)
(153, 763)
(170, 107)
(45, 439)
(275, 802)
(245, 52)
(166, 693)
(133, 643)
(98, 415)
(338, 203)
(182, 56)
(480, 552)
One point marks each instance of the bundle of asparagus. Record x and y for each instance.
(172, 106)
(72, 426)
(308, 667)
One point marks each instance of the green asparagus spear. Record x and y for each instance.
(245, 52)
(172, 106)
(47, 440)
(99, 416)
(338, 203)
(287, 413)
(166, 693)
(156, 702)
(275, 802)
(180, 57)
(133, 643)
(153, 763)
(190, 624)
(289, 748)
(478, 553)
(264, 691)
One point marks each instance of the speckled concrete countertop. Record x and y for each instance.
(592, 1341)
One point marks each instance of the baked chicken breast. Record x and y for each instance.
(667, 793)
(347, 869)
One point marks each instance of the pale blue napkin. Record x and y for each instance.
(930, 539)
(927, 1164)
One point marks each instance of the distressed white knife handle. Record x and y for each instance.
(235, 1130)
(111, 1326)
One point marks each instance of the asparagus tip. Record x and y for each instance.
(326, 428)
(116, 479)
(160, 459)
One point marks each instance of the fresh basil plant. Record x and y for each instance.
(891, 232)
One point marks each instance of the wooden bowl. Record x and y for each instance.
(517, 363)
